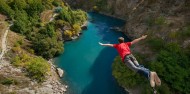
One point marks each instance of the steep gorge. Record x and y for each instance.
(166, 50)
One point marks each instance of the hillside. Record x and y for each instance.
(35, 36)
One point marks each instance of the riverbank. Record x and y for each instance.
(83, 27)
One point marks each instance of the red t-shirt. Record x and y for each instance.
(123, 49)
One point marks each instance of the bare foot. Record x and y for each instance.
(157, 79)
(152, 83)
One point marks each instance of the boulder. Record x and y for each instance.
(84, 27)
(60, 72)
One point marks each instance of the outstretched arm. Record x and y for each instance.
(138, 39)
(110, 45)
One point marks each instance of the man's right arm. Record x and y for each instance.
(110, 45)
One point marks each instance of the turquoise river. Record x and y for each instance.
(87, 65)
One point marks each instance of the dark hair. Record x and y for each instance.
(121, 39)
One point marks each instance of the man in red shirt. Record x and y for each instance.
(131, 62)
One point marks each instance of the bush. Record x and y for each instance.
(8, 81)
(48, 47)
(95, 9)
(46, 42)
(55, 3)
(173, 35)
(160, 21)
(79, 17)
(156, 44)
(76, 28)
(36, 67)
(185, 33)
(6, 9)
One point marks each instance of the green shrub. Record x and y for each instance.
(156, 21)
(76, 28)
(156, 44)
(68, 34)
(8, 81)
(173, 35)
(36, 67)
(101, 4)
(185, 33)
(6, 9)
(95, 9)
(160, 20)
(79, 17)
(55, 3)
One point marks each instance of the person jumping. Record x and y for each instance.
(131, 62)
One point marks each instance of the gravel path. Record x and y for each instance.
(4, 46)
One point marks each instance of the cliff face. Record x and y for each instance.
(140, 13)
(117, 8)
(165, 16)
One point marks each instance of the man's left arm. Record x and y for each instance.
(138, 39)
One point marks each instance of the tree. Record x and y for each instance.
(6, 9)
(35, 6)
(65, 15)
(21, 23)
(79, 16)
(47, 3)
(19, 4)
(47, 47)
(76, 28)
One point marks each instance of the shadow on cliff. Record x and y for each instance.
(103, 81)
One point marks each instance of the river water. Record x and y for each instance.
(87, 65)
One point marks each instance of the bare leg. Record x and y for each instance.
(157, 79)
(152, 83)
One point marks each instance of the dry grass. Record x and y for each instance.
(46, 16)
(2, 17)
(12, 38)
(19, 79)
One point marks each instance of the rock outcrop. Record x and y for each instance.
(60, 72)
